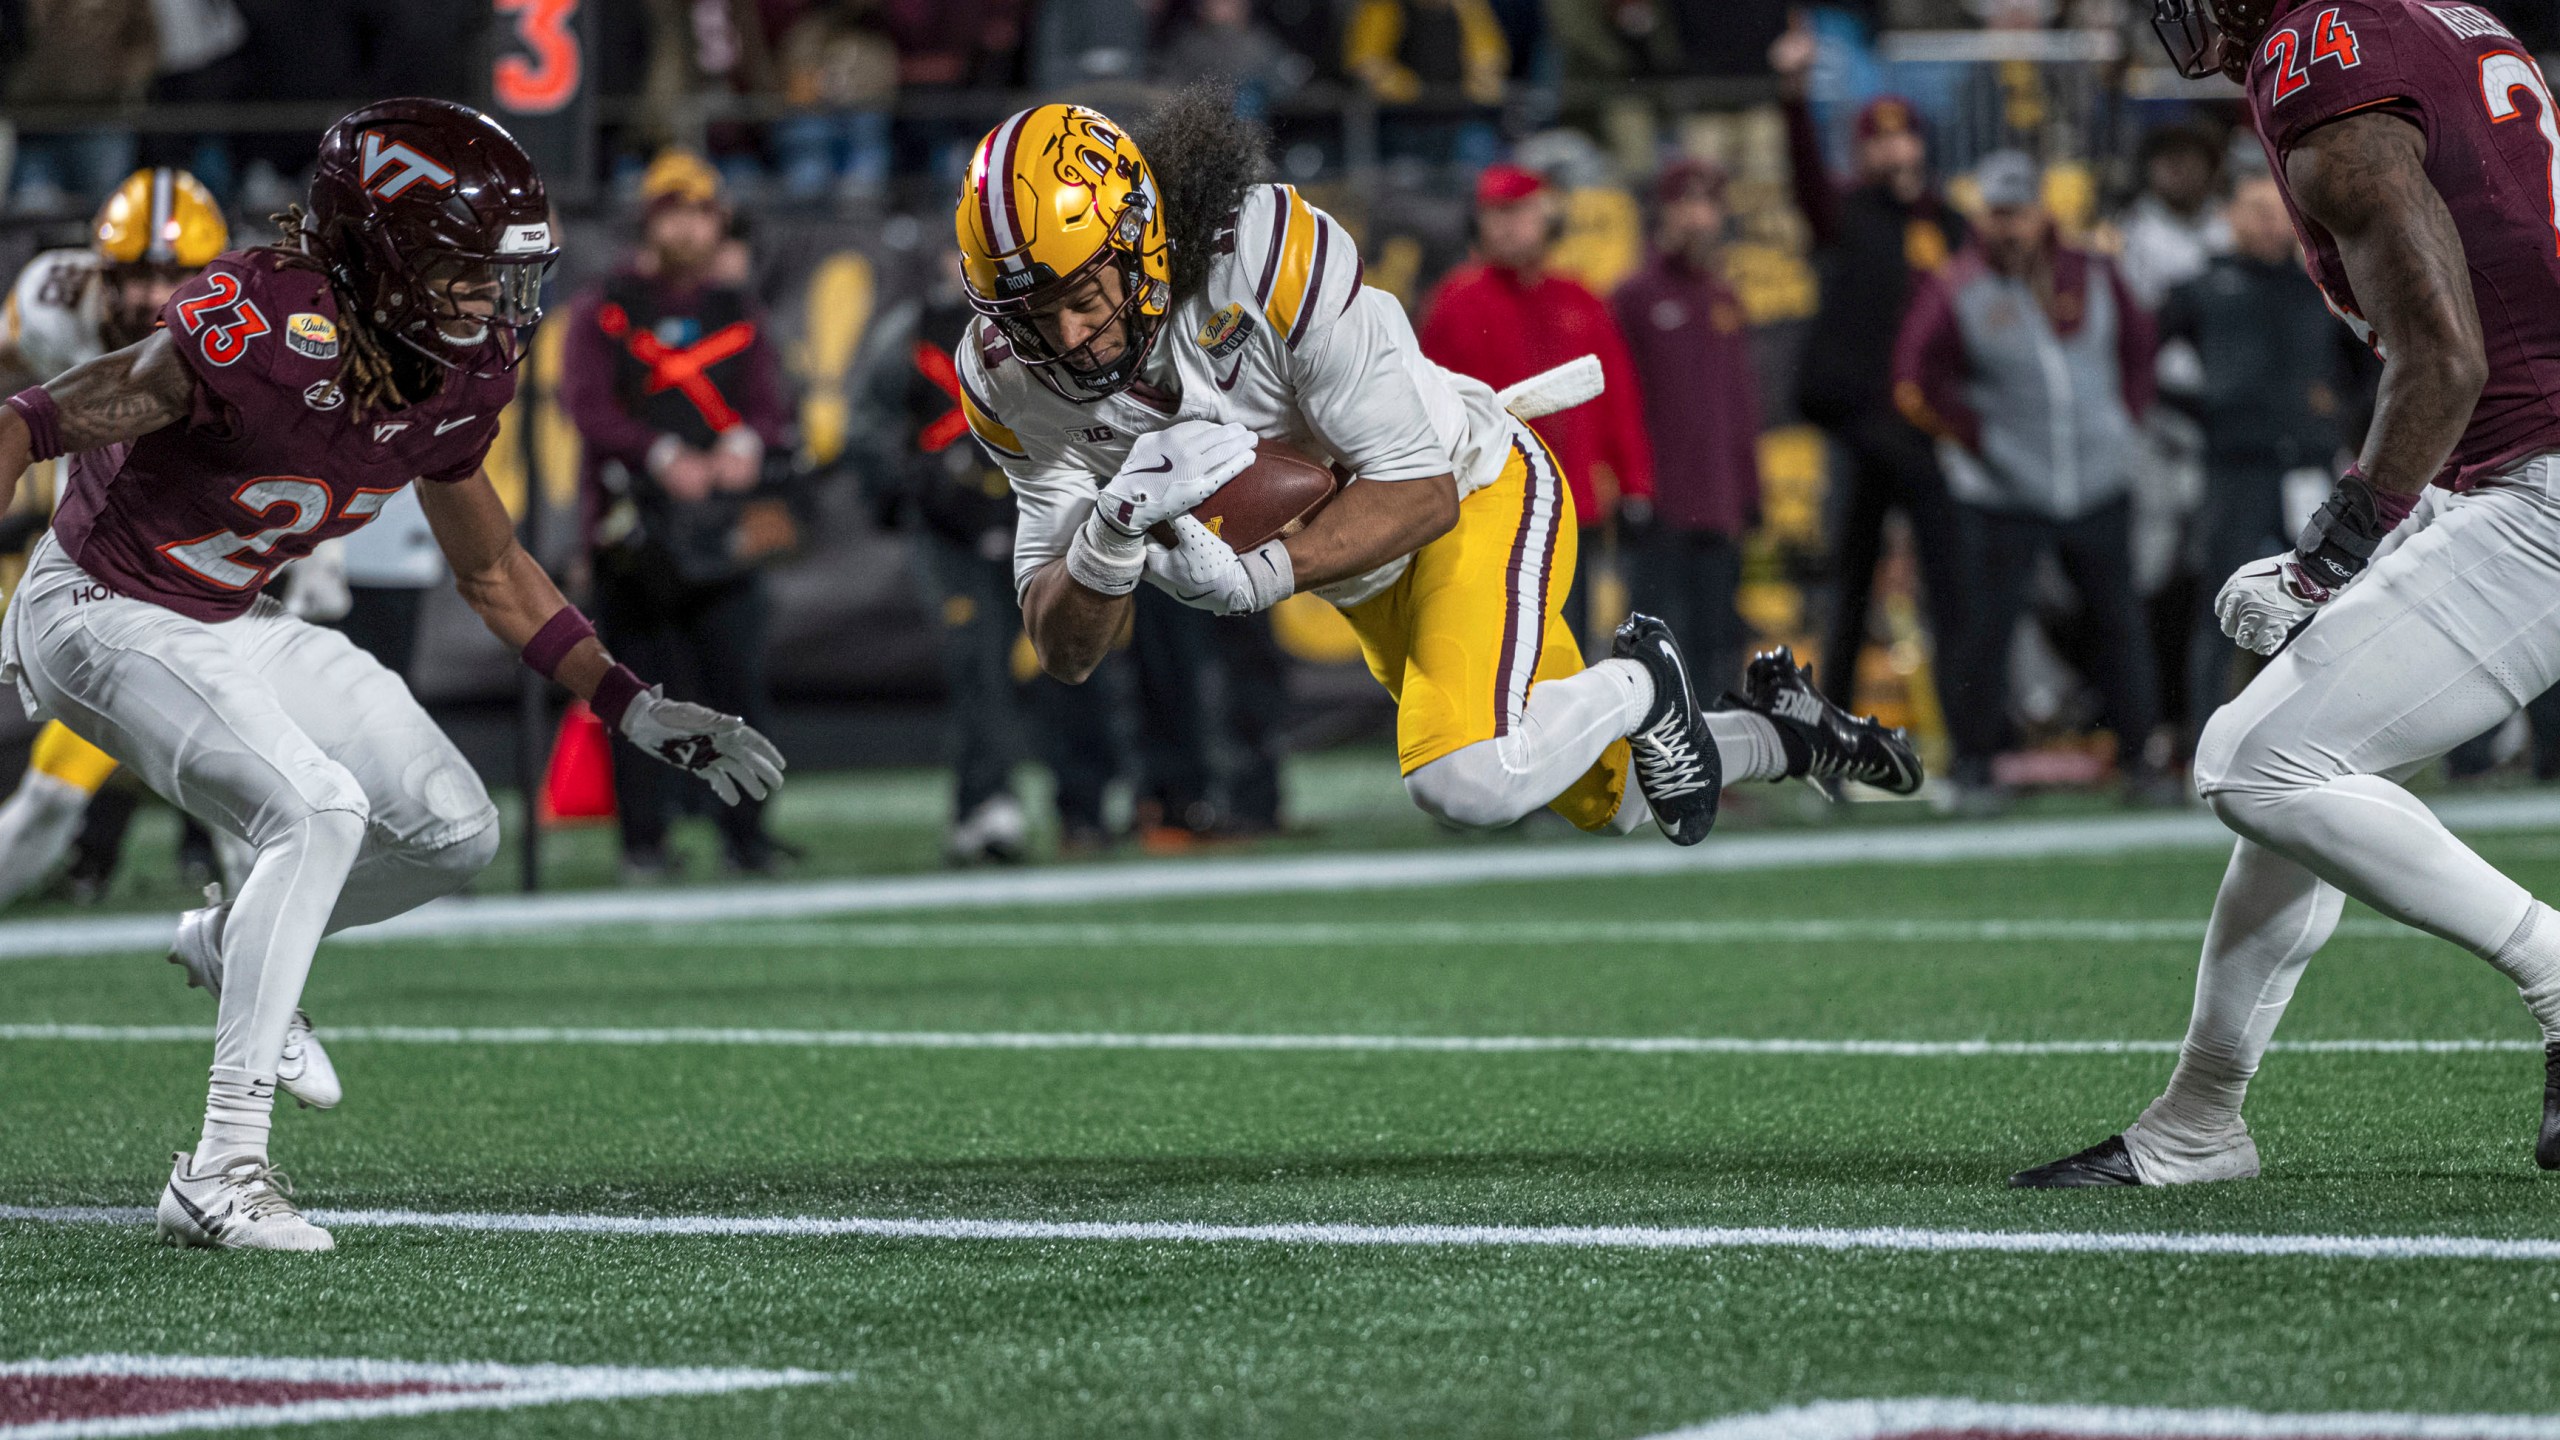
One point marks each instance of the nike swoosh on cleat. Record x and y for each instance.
(211, 1227)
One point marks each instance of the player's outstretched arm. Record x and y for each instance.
(512, 595)
(1370, 523)
(1072, 627)
(2364, 179)
(116, 397)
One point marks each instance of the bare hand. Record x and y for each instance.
(688, 474)
(1792, 54)
(734, 470)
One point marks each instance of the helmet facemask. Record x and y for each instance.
(472, 300)
(2211, 37)
(1075, 374)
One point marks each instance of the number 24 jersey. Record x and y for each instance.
(270, 460)
(2492, 152)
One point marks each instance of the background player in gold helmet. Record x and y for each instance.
(68, 307)
(1150, 308)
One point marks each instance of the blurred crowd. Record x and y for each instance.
(2057, 374)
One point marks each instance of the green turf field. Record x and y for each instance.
(937, 1334)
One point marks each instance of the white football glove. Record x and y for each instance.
(724, 750)
(1167, 473)
(2265, 601)
(1203, 573)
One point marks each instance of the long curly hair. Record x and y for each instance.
(1204, 156)
(369, 375)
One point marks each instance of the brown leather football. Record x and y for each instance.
(1271, 499)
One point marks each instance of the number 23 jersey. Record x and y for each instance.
(2492, 152)
(271, 460)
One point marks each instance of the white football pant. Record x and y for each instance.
(2454, 626)
(279, 734)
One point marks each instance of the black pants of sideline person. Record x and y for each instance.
(706, 644)
(382, 620)
(2243, 520)
(1687, 579)
(1212, 693)
(995, 724)
(2096, 551)
(1882, 464)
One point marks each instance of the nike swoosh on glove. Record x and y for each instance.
(2265, 601)
(1170, 471)
(1203, 573)
(724, 750)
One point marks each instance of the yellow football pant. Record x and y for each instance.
(68, 758)
(1478, 620)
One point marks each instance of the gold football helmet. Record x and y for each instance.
(161, 217)
(1055, 196)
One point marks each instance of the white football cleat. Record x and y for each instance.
(305, 1071)
(246, 1207)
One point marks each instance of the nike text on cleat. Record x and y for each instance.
(2104, 1165)
(304, 1070)
(1676, 762)
(2546, 1148)
(246, 1206)
(1825, 743)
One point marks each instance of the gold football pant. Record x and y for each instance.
(1477, 622)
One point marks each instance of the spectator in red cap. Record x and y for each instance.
(1502, 317)
(1691, 345)
(1874, 240)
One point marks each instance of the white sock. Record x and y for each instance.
(1629, 682)
(239, 1108)
(2531, 958)
(268, 936)
(1748, 745)
(2270, 917)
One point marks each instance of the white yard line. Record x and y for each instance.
(644, 1036)
(1323, 935)
(1888, 1238)
(472, 1387)
(1885, 1419)
(1077, 885)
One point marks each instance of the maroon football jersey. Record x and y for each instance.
(2493, 153)
(270, 462)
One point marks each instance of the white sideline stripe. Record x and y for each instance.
(1111, 1040)
(1897, 1238)
(497, 1387)
(1107, 935)
(1881, 1419)
(1069, 885)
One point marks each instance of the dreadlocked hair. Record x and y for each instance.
(366, 374)
(1204, 157)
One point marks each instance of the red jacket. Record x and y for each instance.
(1495, 326)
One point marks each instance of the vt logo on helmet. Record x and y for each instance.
(435, 230)
(1063, 246)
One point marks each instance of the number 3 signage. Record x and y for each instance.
(548, 71)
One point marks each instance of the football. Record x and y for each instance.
(1271, 499)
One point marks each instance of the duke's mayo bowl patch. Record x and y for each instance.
(312, 335)
(1226, 331)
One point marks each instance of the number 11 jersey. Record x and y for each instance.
(2493, 153)
(270, 460)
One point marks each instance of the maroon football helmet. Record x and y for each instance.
(424, 212)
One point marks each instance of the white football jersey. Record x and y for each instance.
(53, 317)
(1282, 339)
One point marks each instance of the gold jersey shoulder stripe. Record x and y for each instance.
(1297, 256)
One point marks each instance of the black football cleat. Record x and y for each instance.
(2546, 1148)
(2105, 1165)
(1825, 743)
(1676, 761)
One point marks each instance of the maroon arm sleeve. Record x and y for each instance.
(2137, 347)
(1929, 367)
(1816, 196)
(586, 390)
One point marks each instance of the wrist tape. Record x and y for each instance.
(1105, 559)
